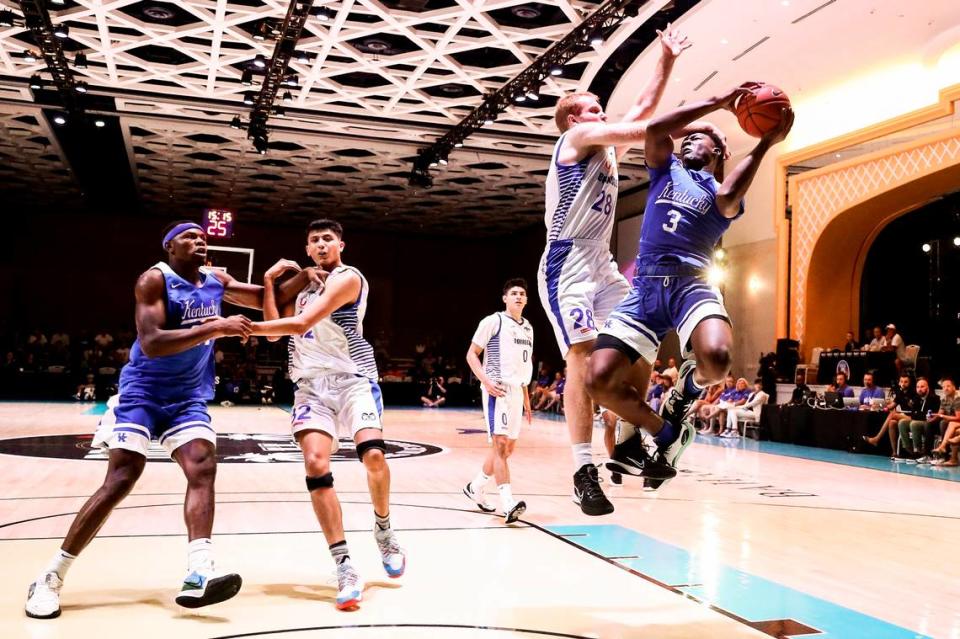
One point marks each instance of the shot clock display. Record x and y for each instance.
(218, 223)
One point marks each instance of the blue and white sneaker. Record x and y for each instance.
(394, 559)
(670, 454)
(349, 587)
(204, 587)
(676, 405)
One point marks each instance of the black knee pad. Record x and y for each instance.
(363, 447)
(323, 481)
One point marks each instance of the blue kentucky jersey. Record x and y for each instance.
(681, 219)
(189, 374)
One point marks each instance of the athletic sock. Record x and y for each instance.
(60, 563)
(506, 497)
(582, 454)
(666, 436)
(690, 388)
(200, 554)
(479, 482)
(383, 523)
(624, 431)
(339, 552)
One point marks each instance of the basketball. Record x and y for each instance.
(759, 110)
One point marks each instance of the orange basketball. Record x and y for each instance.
(759, 110)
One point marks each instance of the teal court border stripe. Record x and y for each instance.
(830, 456)
(734, 593)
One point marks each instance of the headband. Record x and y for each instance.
(178, 229)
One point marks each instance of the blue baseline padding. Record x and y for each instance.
(747, 596)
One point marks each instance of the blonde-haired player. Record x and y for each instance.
(506, 341)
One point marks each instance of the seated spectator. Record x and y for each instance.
(870, 392)
(671, 370)
(657, 365)
(918, 427)
(749, 410)
(541, 384)
(103, 339)
(87, 392)
(841, 385)
(709, 397)
(436, 394)
(37, 339)
(548, 391)
(801, 391)
(712, 411)
(656, 390)
(895, 343)
(949, 419)
(851, 343)
(878, 342)
(897, 408)
(555, 396)
(60, 338)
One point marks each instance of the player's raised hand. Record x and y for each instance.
(281, 267)
(729, 99)
(316, 274)
(673, 42)
(494, 389)
(780, 131)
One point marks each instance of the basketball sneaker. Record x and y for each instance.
(204, 587)
(43, 598)
(587, 492)
(631, 457)
(616, 478)
(350, 587)
(513, 514)
(671, 453)
(478, 498)
(394, 559)
(676, 405)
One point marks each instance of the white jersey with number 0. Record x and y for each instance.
(582, 198)
(507, 348)
(335, 344)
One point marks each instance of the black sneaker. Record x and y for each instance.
(616, 478)
(587, 492)
(514, 513)
(675, 405)
(631, 457)
(671, 453)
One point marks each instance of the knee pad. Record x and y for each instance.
(363, 447)
(323, 481)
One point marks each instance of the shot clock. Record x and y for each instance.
(218, 223)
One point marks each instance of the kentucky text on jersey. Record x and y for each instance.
(699, 204)
(187, 375)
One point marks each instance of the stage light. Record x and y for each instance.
(303, 57)
(58, 2)
(81, 87)
(596, 40)
(249, 98)
(80, 60)
(236, 122)
(246, 78)
(259, 61)
(720, 254)
(287, 97)
(99, 123)
(926, 247)
(956, 241)
(260, 143)
(716, 275)
(533, 95)
(324, 14)
(36, 82)
(556, 69)
(490, 118)
(61, 31)
(6, 18)
(60, 119)
(261, 32)
(29, 56)
(292, 80)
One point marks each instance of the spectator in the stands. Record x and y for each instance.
(60, 338)
(671, 370)
(949, 421)
(851, 343)
(801, 391)
(657, 365)
(918, 427)
(103, 339)
(656, 390)
(767, 372)
(436, 394)
(548, 391)
(899, 404)
(841, 383)
(895, 343)
(87, 392)
(870, 392)
(709, 397)
(712, 412)
(37, 339)
(878, 342)
(540, 384)
(748, 410)
(555, 395)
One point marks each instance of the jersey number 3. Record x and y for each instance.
(671, 226)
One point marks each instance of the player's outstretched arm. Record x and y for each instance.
(251, 295)
(340, 290)
(735, 185)
(151, 315)
(658, 144)
(270, 307)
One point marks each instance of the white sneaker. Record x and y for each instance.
(204, 587)
(513, 513)
(392, 555)
(43, 598)
(478, 498)
(350, 587)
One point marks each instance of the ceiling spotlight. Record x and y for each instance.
(29, 56)
(956, 241)
(303, 57)
(287, 97)
(458, 145)
(36, 82)
(716, 275)
(261, 31)
(80, 60)
(520, 97)
(81, 87)
(720, 254)
(926, 247)
(490, 119)
(324, 14)
(236, 122)
(596, 40)
(260, 143)
(433, 164)
(259, 61)
(292, 80)
(249, 98)
(61, 31)
(60, 119)
(58, 2)
(6, 18)
(443, 161)
(274, 28)
(279, 111)
(99, 123)
(556, 69)
(533, 95)
(246, 78)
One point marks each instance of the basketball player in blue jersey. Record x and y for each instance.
(687, 212)
(579, 283)
(163, 394)
(335, 374)
(506, 341)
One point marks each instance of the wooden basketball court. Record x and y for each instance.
(745, 544)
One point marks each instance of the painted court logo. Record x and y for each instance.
(256, 448)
